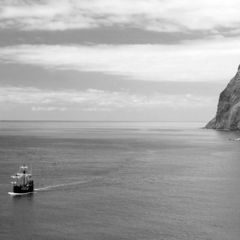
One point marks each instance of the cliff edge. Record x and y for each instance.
(228, 111)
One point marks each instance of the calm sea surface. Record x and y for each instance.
(122, 180)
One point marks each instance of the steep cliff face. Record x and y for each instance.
(228, 111)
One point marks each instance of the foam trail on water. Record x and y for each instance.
(60, 185)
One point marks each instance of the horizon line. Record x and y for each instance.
(92, 121)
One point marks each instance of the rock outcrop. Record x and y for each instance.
(228, 111)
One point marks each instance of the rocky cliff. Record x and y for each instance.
(228, 111)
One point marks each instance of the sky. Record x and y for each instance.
(116, 60)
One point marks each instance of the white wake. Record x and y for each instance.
(59, 185)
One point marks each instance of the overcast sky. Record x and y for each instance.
(145, 60)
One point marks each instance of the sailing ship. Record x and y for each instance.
(23, 182)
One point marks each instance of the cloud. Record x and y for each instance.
(95, 100)
(198, 61)
(37, 109)
(153, 15)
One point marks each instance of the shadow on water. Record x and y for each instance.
(23, 216)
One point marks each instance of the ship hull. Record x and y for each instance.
(24, 188)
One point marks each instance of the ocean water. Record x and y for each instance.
(122, 180)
